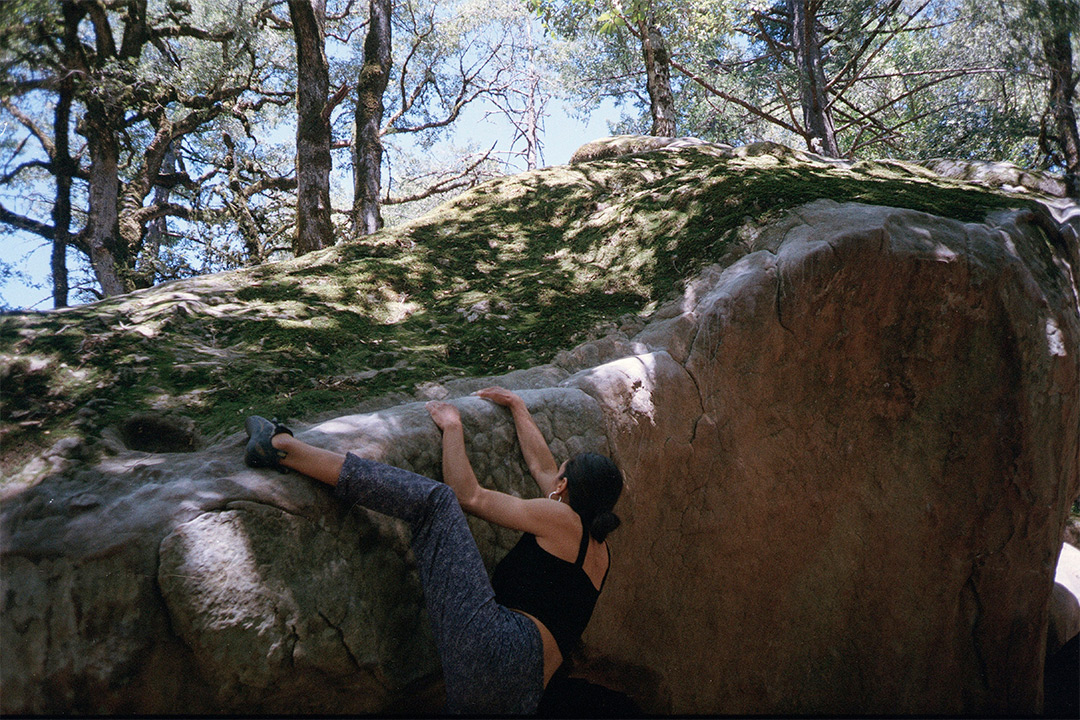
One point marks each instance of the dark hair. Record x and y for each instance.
(593, 486)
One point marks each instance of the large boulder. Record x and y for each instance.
(849, 456)
(622, 145)
(850, 470)
(187, 582)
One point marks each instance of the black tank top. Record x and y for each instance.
(556, 592)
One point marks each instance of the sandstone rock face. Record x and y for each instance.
(620, 145)
(865, 514)
(849, 456)
(189, 583)
(998, 174)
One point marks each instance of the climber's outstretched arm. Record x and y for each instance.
(534, 447)
(456, 469)
(541, 517)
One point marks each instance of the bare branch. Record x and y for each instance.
(445, 185)
(347, 37)
(951, 72)
(915, 90)
(865, 22)
(346, 12)
(5, 179)
(335, 99)
(614, 78)
(22, 222)
(185, 30)
(270, 183)
(29, 124)
(729, 66)
(709, 87)
(152, 212)
(780, 50)
(463, 98)
(789, 105)
(887, 134)
(855, 74)
(870, 39)
(408, 100)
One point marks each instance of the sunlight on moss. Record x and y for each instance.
(500, 278)
(312, 322)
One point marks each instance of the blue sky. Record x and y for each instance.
(564, 134)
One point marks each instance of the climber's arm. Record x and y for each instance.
(536, 516)
(456, 469)
(534, 447)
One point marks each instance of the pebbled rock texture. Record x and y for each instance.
(190, 583)
(849, 457)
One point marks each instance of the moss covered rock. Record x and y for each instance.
(844, 397)
(502, 278)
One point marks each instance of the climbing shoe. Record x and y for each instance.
(260, 452)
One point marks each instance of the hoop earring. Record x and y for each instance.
(551, 494)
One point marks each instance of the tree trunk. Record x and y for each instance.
(817, 118)
(102, 231)
(64, 166)
(658, 79)
(367, 146)
(157, 230)
(61, 214)
(1057, 47)
(531, 131)
(313, 227)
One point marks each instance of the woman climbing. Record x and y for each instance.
(500, 641)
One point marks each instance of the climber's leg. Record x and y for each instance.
(492, 657)
(322, 465)
(272, 445)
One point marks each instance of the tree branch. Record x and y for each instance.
(884, 135)
(270, 183)
(23, 166)
(22, 222)
(152, 212)
(870, 39)
(463, 98)
(779, 49)
(951, 72)
(335, 99)
(29, 124)
(407, 100)
(732, 99)
(917, 89)
(855, 74)
(346, 12)
(445, 185)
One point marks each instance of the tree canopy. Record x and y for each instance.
(146, 140)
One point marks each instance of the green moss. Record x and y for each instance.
(500, 278)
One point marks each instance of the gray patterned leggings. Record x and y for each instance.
(492, 657)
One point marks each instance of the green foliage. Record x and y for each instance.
(209, 69)
(450, 53)
(963, 79)
(501, 278)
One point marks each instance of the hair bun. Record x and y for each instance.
(603, 524)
